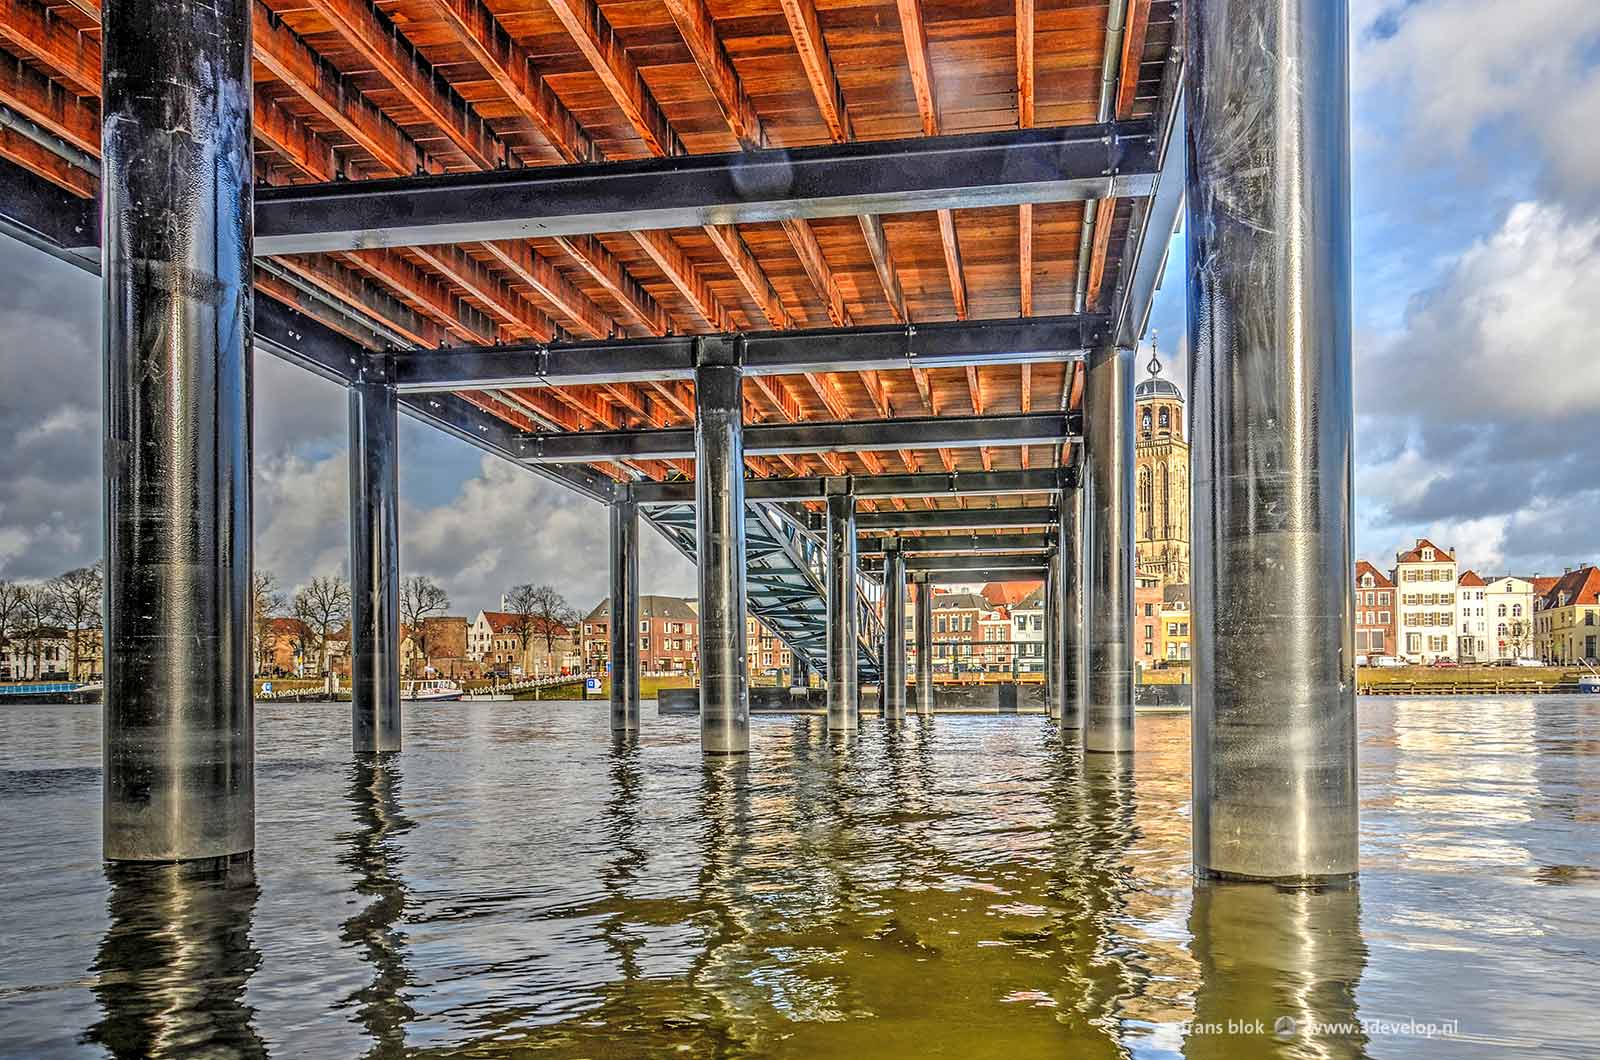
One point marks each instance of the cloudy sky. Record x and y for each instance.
(1477, 275)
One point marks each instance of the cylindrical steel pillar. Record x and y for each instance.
(1071, 658)
(800, 675)
(623, 630)
(1052, 645)
(374, 567)
(844, 707)
(1270, 383)
(176, 266)
(922, 633)
(1108, 449)
(893, 693)
(719, 530)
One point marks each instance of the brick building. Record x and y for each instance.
(668, 636)
(1375, 611)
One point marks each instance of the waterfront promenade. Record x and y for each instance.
(516, 884)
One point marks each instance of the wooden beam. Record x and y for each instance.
(809, 43)
(62, 112)
(603, 267)
(878, 250)
(586, 24)
(487, 289)
(27, 30)
(393, 57)
(1027, 387)
(1025, 257)
(683, 275)
(749, 273)
(952, 262)
(699, 32)
(1106, 211)
(915, 31)
(1025, 93)
(370, 300)
(582, 315)
(975, 388)
(1133, 38)
(809, 251)
(422, 292)
(52, 167)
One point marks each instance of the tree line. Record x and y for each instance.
(35, 616)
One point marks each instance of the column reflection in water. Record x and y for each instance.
(721, 973)
(1096, 829)
(1279, 970)
(623, 825)
(373, 855)
(171, 970)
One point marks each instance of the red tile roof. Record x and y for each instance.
(1379, 579)
(1008, 593)
(1414, 555)
(1581, 586)
(1470, 578)
(510, 622)
(1543, 585)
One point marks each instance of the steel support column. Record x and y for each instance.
(892, 693)
(179, 720)
(719, 527)
(922, 632)
(1108, 447)
(844, 706)
(374, 567)
(1070, 638)
(1270, 383)
(624, 626)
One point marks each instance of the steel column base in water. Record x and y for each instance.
(1068, 674)
(1275, 794)
(1108, 503)
(844, 706)
(922, 634)
(1052, 638)
(374, 567)
(623, 631)
(179, 750)
(719, 529)
(893, 652)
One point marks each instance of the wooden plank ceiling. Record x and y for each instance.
(356, 89)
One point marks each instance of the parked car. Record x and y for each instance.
(1445, 664)
(1387, 661)
(1526, 662)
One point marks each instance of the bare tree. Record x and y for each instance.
(323, 604)
(12, 595)
(266, 603)
(77, 596)
(38, 612)
(421, 597)
(544, 612)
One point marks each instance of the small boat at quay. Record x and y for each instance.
(439, 690)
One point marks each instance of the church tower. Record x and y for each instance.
(1161, 469)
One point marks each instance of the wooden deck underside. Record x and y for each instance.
(349, 89)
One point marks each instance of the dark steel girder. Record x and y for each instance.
(917, 562)
(39, 214)
(965, 543)
(932, 432)
(960, 483)
(956, 519)
(689, 191)
(877, 348)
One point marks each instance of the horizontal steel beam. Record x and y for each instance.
(969, 543)
(920, 562)
(961, 483)
(947, 577)
(877, 348)
(689, 191)
(956, 519)
(933, 432)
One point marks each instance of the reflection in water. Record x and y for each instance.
(373, 854)
(1278, 972)
(622, 827)
(171, 970)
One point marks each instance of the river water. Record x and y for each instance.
(516, 883)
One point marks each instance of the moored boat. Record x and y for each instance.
(439, 690)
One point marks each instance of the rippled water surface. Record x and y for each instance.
(518, 884)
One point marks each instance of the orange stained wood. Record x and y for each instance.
(355, 89)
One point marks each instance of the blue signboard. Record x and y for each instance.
(592, 685)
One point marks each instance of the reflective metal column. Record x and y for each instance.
(893, 694)
(844, 707)
(1052, 638)
(624, 628)
(374, 566)
(1108, 503)
(176, 267)
(922, 634)
(1270, 386)
(719, 528)
(1071, 658)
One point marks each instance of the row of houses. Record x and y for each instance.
(1424, 610)
(669, 640)
(47, 654)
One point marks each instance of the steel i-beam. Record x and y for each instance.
(374, 566)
